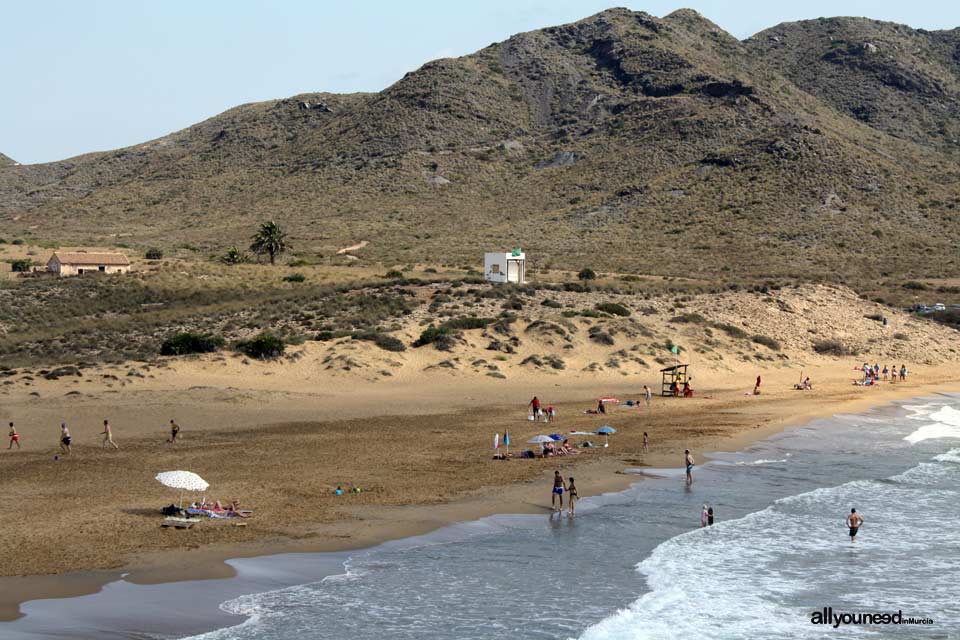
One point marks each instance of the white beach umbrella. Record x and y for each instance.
(182, 480)
(540, 440)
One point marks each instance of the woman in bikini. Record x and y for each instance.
(572, 495)
(14, 437)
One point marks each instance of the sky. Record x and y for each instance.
(91, 75)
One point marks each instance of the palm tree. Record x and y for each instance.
(270, 239)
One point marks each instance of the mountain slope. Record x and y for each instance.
(622, 141)
(902, 81)
(6, 161)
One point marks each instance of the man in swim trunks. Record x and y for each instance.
(688, 460)
(65, 438)
(854, 521)
(174, 432)
(14, 437)
(107, 434)
(557, 491)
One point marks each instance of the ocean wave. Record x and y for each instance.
(759, 576)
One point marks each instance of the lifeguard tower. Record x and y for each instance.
(675, 374)
(505, 267)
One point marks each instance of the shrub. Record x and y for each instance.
(901, 336)
(613, 309)
(553, 304)
(466, 322)
(916, 286)
(767, 342)
(324, 336)
(587, 274)
(688, 318)
(731, 330)
(294, 277)
(429, 336)
(429, 270)
(393, 274)
(181, 344)
(832, 348)
(265, 346)
(382, 340)
(21, 265)
(299, 262)
(234, 256)
(153, 254)
(17, 241)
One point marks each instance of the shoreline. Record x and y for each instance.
(387, 523)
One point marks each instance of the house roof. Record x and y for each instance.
(82, 257)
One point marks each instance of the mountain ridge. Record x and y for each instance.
(580, 141)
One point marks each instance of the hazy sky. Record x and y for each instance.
(88, 75)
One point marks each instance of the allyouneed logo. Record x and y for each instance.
(827, 616)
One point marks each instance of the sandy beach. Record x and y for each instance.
(420, 449)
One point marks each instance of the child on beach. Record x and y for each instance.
(571, 495)
(14, 437)
(174, 432)
(64, 438)
(107, 434)
(703, 516)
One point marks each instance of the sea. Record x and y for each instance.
(637, 564)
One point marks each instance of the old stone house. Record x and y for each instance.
(77, 263)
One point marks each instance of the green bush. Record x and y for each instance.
(553, 304)
(689, 318)
(767, 342)
(382, 340)
(832, 348)
(294, 277)
(587, 274)
(299, 262)
(731, 330)
(916, 286)
(17, 241)
(21, 265)
(234, 256)
(153, 254)
(181, 344)
(466, 323)
(613, 309)
(324, 336)
(429, 336)
(265, 346)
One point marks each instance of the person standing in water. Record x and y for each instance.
(572, 495)
(14, 437)
(646, 441)
(854, 520)
(703, 516)
(107, 434)
(710, 517)
(647, 395)
(688, 461)
(557, 491)
(65, 439)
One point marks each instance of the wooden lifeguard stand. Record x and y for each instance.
(677, 373)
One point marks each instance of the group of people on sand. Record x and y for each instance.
(539, 412)
(872, 375)
(66, 440)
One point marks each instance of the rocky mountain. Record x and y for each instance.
(6, 161)
(622, 141)
(904, 82)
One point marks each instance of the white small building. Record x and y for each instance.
(505, 267)
(77, 263)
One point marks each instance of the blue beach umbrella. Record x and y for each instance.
(556, 436)
(605, 431)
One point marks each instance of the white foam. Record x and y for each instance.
(934, 431)
(950, 456)
(764, 461)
